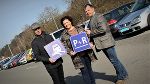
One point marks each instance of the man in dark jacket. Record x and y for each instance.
(54, 68)
(103, 39)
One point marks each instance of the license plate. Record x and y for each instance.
(124, 29)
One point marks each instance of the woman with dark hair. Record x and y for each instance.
(81, 60)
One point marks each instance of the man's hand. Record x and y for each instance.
(51, 60)
(91, 45)
(88, 32)
(72, 53)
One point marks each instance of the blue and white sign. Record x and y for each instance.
(55, 49)
(80, 42)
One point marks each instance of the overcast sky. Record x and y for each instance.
(15, 14)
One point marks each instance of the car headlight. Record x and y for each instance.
(117, 27)
(136, 20)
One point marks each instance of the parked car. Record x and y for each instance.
(23, 59)
(0, 65)
(137, 19)
(8, 63)
(29, 55)
(116, 15)
(3, 62)
(15, 62)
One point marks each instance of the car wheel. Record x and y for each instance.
(148, 20)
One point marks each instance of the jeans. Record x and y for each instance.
(57, 74)
(112, 56)
(87, 72)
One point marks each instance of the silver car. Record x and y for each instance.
(137, 19)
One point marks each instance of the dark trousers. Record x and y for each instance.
(87, 72)
(57, 74)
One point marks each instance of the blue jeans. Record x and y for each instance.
(87, 72)
(112, 56)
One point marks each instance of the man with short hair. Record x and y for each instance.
(99, 31)
(54, 68)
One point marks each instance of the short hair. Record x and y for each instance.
(35, 26)
(89, 5)
(68, 18)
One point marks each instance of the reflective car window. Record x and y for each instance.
(115, 14)
(139, 5)
(107, 16)
(58, 34)
(118, 12)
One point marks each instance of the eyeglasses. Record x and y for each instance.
(36, 28)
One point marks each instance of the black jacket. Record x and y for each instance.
(40, 53)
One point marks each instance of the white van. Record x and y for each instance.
(57, 34)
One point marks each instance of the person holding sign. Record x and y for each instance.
(81, 60)
(103, 39)
(53, 67)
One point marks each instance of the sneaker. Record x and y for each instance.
(120, 82)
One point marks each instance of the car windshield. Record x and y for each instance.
(118, 12)
(58, 34)
(139, 4)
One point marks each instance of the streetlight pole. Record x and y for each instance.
(10, 50)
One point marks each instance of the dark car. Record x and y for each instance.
(117, 14)
(15, 62)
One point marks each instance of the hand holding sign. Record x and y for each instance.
(51, 60)
(88, 31)
(91, 45)
(72, 53)
(55, 50)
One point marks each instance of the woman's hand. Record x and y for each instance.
(72, 53)
(88, 32)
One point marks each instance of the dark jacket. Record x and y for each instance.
(100, 32)
(40, 53)
(65, 38)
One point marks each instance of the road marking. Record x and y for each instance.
(31, 67)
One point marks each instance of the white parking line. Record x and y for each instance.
(31, 67)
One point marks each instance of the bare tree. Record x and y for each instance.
(48, 18)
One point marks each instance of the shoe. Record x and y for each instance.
(120, 82)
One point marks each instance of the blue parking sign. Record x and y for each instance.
(80, 42)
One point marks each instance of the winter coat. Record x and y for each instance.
(100, 32)
(40, 53)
